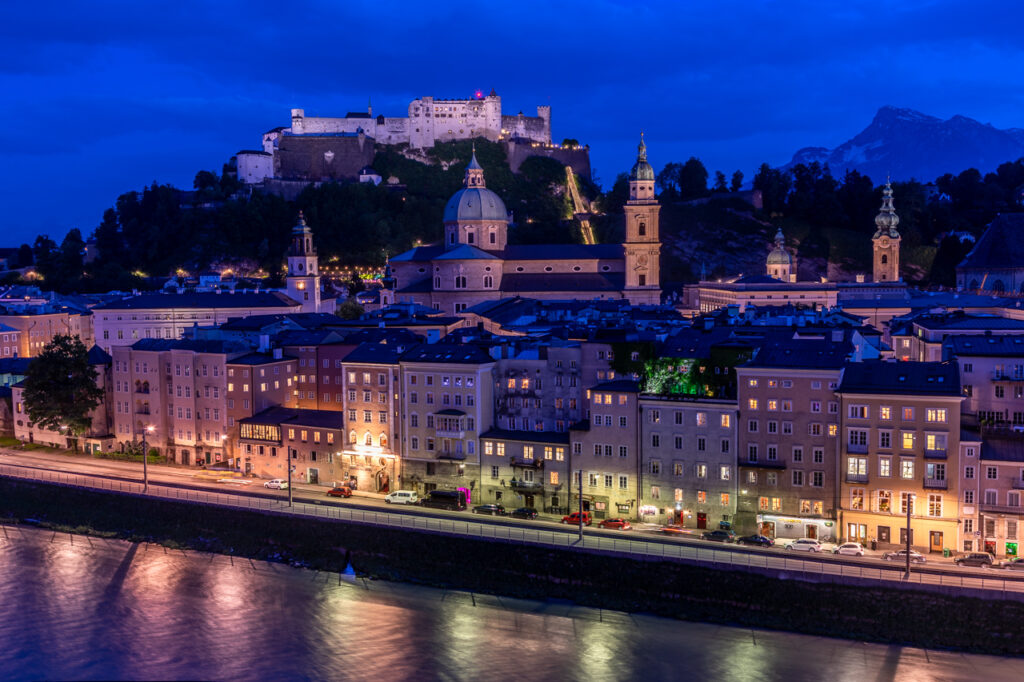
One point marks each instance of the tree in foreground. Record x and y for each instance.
(60, 390)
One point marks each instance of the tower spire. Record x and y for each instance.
(887, 220)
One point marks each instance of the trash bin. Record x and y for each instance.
(946, 552)
(874, 544)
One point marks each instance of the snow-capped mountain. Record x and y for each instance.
(905, 144)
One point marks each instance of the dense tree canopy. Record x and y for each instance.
(60, 388)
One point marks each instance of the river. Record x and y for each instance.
(73, 607)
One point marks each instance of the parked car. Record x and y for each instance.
(756, 540)
(402, 497)
(805, 545)
(524, 513)
(850, 549)
(976, 559)
(276, 484)
(1013, 564)
(340, 491)
(574, 519)
(719, 536)
(492, 509)
(451, 500)
(901, 555)
(617, 524)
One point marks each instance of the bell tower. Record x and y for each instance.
(886, 241)
(303, 280)
(643, 242)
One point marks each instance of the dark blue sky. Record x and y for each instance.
(101, 98)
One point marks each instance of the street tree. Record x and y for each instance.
(60, 387)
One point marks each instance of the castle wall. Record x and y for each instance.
(578, 159)
(254, 167)
(322, 157)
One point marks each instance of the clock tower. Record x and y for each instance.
(886, 241)
(303, 280)
(643, 243)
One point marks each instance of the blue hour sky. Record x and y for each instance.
(104, 97)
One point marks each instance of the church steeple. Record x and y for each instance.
(474, 173)
(303, 281)
(643, 241)
(886, 241)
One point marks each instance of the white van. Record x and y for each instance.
(402, 497)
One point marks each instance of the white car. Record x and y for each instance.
(402, 497)
(276, 484)
(850, 549)
(805, 545)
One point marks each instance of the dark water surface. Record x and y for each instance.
(72, 607)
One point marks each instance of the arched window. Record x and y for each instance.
(469, 237)
(460, 282)
(998, 286)
(488, 282)
(974, 284)
(352, 437)
(437, 282)
(368, 440)
(494, 238)
(642, 229)
(451, 237)
(383, 440)
(885, 258)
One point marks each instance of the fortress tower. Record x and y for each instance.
(643, 241)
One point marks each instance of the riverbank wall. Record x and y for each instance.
(665, 588)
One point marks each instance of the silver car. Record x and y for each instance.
(276, 484)
(901, 555)
(805, 545)
(850, 549)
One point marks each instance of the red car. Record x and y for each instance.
(343, 491)
(574, 518)
(673, 529)
(617, 524)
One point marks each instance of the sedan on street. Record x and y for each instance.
(524, 513)
(805, 545)
(720, 536)
(492, 509)
(1013, 564)
(901, 555)
(340, 491)
(756, 540)
(617, 524)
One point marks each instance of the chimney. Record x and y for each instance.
(278, 354)
(264, 345)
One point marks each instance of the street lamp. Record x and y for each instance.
(145, 457)
(910, 507)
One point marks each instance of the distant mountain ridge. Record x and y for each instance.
(905, 144)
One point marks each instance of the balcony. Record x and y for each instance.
(935, 483)
(856, 478)
(1017, 483)
(857, 448)
(764, 464)
(450, 433)
(454, 456)
(527, 486)
(526, 463)
(1000, 375)
(935, 453)
(1001, 508)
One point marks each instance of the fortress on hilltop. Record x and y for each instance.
(317, 149)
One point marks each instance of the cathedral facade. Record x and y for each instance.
(475, 262)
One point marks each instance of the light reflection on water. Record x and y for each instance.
(79, 608)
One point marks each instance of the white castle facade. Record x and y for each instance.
(429, 121)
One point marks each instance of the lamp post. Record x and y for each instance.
(290, 451)
(145, 458)
(910, 506)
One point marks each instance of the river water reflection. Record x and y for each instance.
(72, 607)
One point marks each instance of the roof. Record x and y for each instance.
(455, 353)
(803, 354)
(619, 385)
(1000, 245)
(1009, 449)
(98, 356)
(902, 378)
(322, 337)
(375, 354)
(259, 359)
(475, 203)
(563, 251)
(263, 299)
(1002, 345)
(450, 412)
(465, 252)
(523, 282)
(553, 437)
(330, 419)
(200, 346)
(14, 365)
(419, 253)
